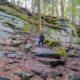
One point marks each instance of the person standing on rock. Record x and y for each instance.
(41, 39)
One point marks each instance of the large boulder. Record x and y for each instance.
(43, 52)
(6, 29)
(5, 32)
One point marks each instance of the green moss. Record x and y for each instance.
(13, 10)
(51, 42)
(23, 16)
(62, 53)
(46, 40)
(13, 7)
(26, 28)
(57, 26)
(27, 47)
(75, 31)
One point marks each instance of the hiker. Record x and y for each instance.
(41, 39)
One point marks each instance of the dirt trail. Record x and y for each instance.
(27, 62)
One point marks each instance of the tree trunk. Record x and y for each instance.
(73, 15)
(79, 20)
(56, 9)
(39, 17)
(62, 9)
(44, 13)
(33, 11)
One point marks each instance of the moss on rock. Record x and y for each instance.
(27, 47)
(9, 8)
(26, 28)
(62, 53)
(25, 77)
(50, 42)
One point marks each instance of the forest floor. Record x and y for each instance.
(28, 61)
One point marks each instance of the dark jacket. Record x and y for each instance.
(41, 37)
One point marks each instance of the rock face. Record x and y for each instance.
(17, 22)
(6, 29)
(43, 52)
(5, 32)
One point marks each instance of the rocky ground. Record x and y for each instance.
(18, 60)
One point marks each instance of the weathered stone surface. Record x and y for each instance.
(71, 54)
(11, 55)
(44, 76)
(36, 43)
(16, 42)
(2, 54)
(43, 52)
(75, 63)
(19, 57)
(29, 75)
(41, 65)
(37, 72)
(74, 69)
(59, 74)
(6, 29)
(27, 47)
(18, 73)
(57, 62)
(53, 74)
(21, 73)
(13, 20)
(25, 77)
(7, 68)
(45, 62)
(20, 53)
(5, 32)
(74, 77)
(12, 49)
(3, 78)
(10, 61)
(4, 35)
